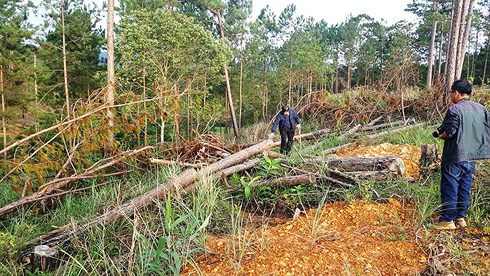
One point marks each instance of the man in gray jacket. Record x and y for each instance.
(466, 134)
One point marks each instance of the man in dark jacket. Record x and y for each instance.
(466, 134)
(287, 120)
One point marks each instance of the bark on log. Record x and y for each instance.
(380, 175)
(177, 163)
(183, 181)
(240, 167)
(392, 164)
(288, 181)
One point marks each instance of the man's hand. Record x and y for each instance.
(271, 135)
(298, 126)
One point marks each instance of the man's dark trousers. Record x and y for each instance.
(455, 189)
(287, 135)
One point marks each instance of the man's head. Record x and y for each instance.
(285, 109)
(459, 90)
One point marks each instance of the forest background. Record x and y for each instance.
(178, 70)
(273, 60)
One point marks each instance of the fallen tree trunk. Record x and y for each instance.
(380, 175)
(180, 182)
(177, 163)
(392, 164)
(59, 183)
(288, 181)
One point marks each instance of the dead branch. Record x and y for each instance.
(57, 184)
(373, 122)
(350, 132)
(68, 161)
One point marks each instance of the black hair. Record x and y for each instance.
(462, 86)
(284, 108)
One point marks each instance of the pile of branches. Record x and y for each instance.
(207, 148)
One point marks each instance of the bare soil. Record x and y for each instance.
(359, 237)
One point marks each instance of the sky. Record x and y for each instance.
(337, 11)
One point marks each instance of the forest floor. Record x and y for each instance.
(355, 238)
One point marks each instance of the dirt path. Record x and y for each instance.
(357, 238)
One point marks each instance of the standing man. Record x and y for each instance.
(287, 120)
(466, 134)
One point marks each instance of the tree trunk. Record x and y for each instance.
(453, 46)
(4, 125)
(483, 81)
(240, 97)
(35, 79)
(439, 62)
(65, 72)
(144, 105)
(111, 81)
(430, 58)
(465, 34)
(348, 75)
(227, 78)
(336, 71)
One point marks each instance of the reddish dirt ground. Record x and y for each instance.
(357, 238)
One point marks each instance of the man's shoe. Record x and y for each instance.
(460, 222)
(445, 225)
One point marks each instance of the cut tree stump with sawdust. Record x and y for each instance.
(429, 156)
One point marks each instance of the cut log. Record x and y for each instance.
(288, 181)
(392, 164)
(379, 175)
(177, 163)
(240, 167)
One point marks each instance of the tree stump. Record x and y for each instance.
(428, 158)
(42, 257)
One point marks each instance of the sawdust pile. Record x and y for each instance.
(358, 238)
